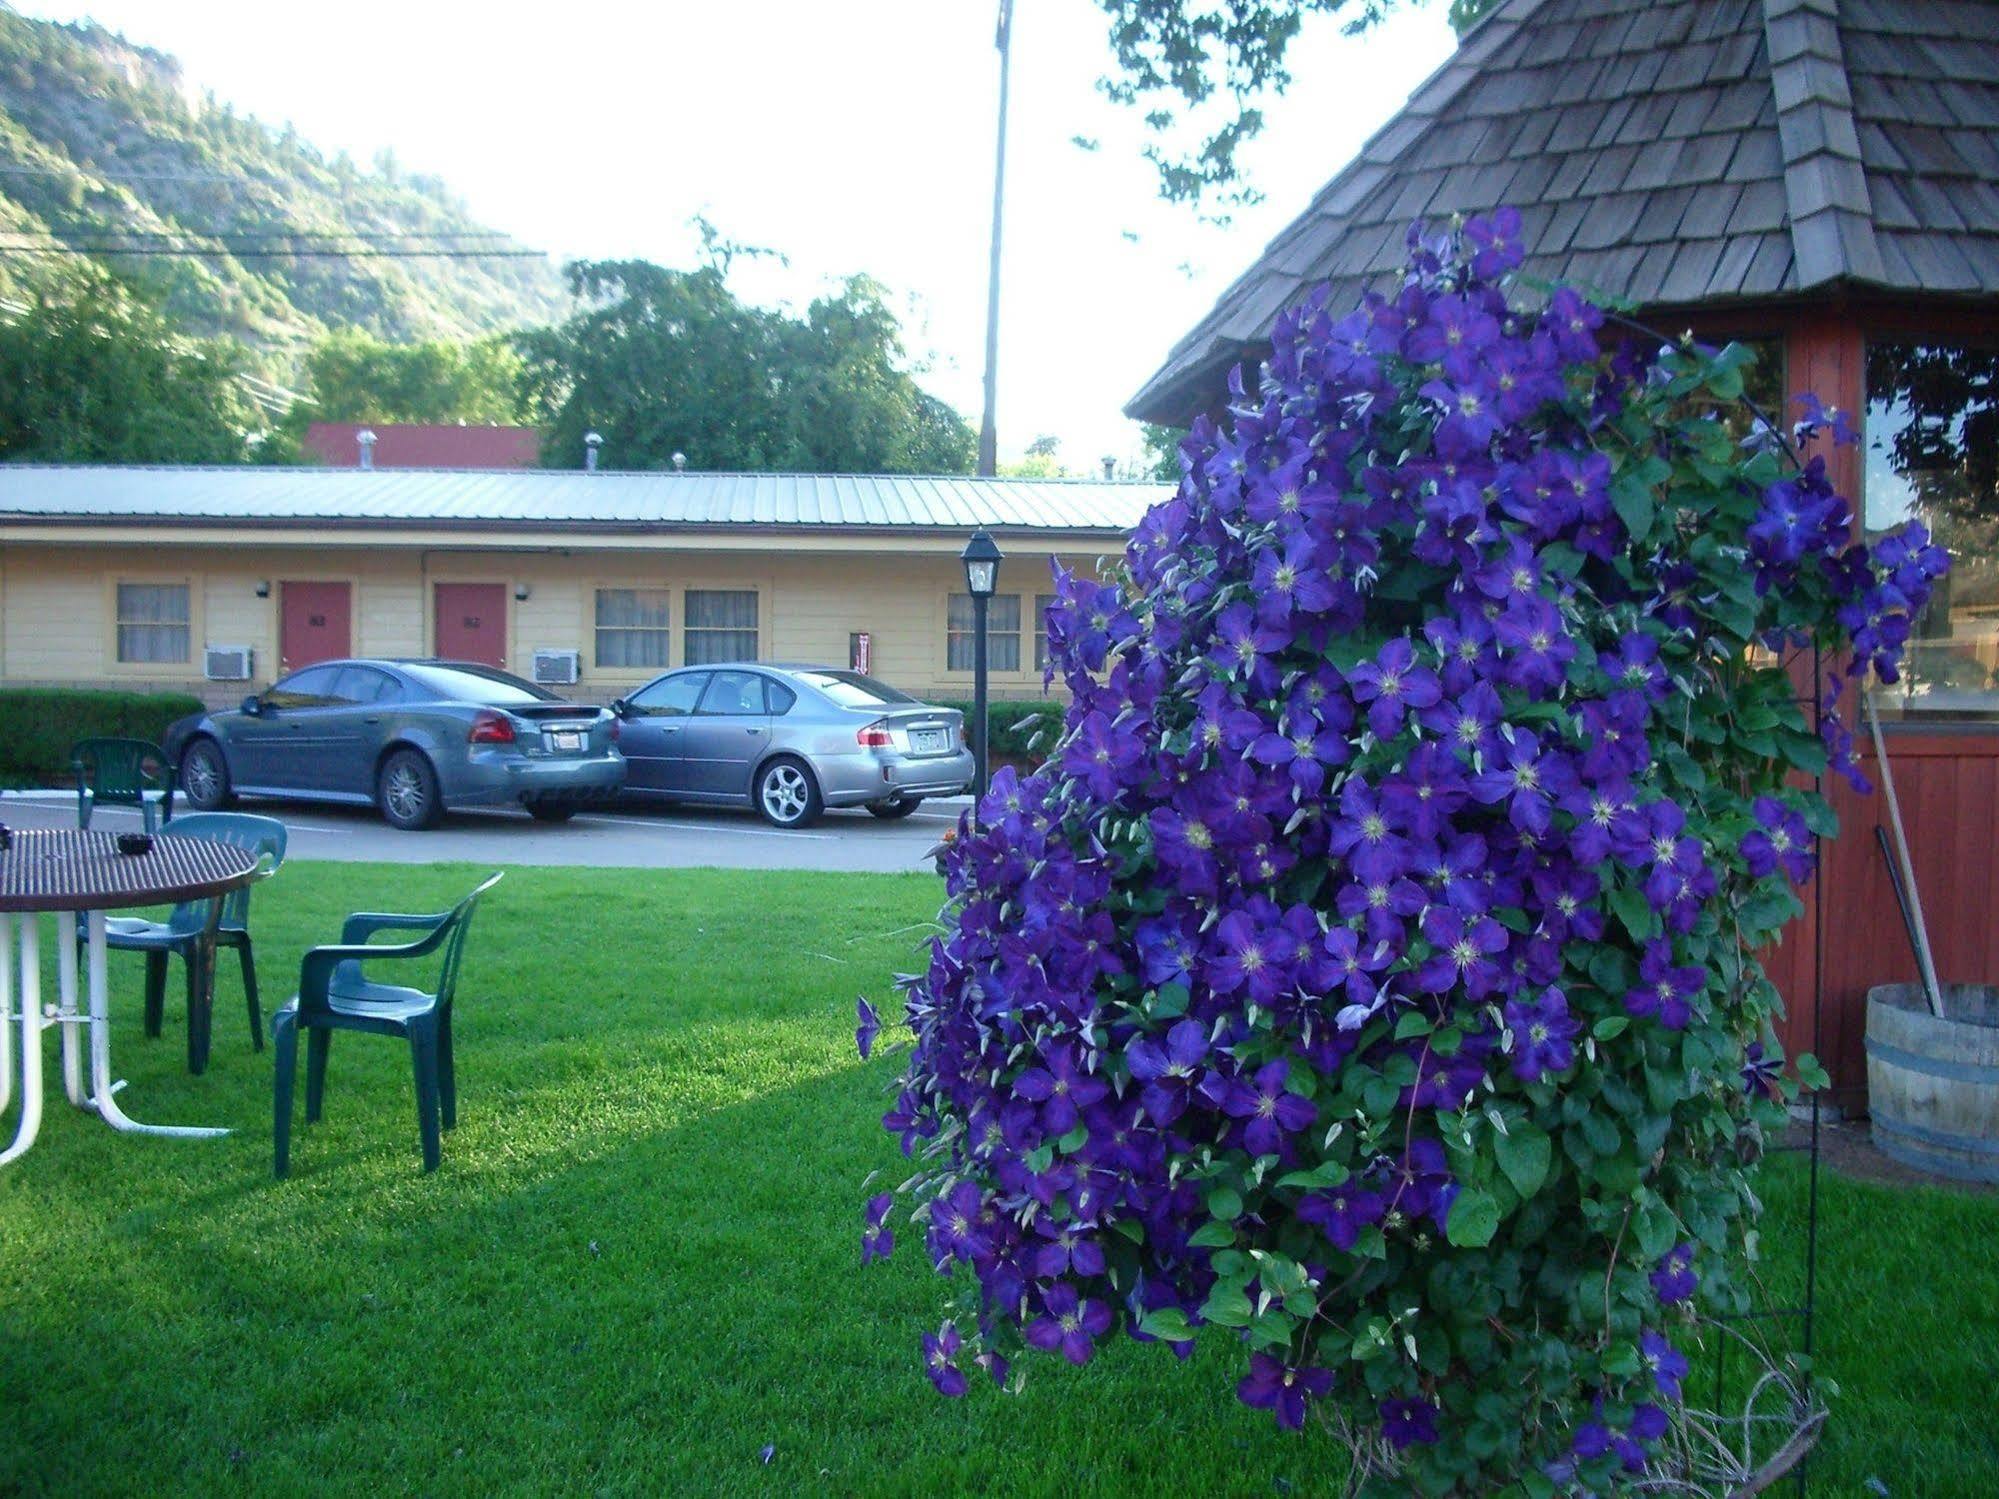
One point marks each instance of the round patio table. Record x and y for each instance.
(70, 872)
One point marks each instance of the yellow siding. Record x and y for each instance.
(56, 616)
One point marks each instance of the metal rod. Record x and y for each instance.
(979, 777)
(988, 425)
(1901, 895)
(1925, 961)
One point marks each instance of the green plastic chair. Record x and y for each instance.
(197, 929)
(335, 994)
(123, 773)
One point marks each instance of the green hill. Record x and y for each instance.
(103, 144)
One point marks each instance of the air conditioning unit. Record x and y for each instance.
(557, 668)
(227, 663)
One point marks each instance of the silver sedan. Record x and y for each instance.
(789, 741)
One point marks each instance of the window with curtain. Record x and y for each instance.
(1002, 633)
(1043, 602)
(153, 623)
(719, 624)
(633, 629)
(1932, 454)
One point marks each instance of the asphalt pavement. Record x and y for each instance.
(617, 837)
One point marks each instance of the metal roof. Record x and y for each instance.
(1667, 153)
(556, 500)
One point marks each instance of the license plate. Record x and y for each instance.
(929, 741)
(566, 741)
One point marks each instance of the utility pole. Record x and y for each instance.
(988, 431)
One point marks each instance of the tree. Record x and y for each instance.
(93, 372)
(1042, 460)
(355, 377)
(661, 361)
(1162, 451)
(1197, 51)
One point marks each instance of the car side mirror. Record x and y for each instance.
(620, 708)
(253, 705)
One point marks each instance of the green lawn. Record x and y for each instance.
(638, 1265)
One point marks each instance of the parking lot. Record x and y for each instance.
(622, 836)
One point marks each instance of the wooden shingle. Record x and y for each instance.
(1667, 151)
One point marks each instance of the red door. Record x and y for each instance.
(314, 623)
(472, 622)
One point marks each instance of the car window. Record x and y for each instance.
(850, 689)
(778, 698)
(733, 693)
(670, 697)
(474, 684)
(311, 688)
(364, 684)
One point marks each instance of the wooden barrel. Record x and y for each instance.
(1933, 1083)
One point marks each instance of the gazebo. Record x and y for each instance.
(1819, 178)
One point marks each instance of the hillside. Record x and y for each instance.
(102, 143)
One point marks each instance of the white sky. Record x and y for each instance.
(854, 135)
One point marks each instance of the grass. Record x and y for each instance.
(638, 1265)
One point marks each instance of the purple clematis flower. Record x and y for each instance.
(1282, 1388)
(1101, 756)
(1542, 1034)
(1069, 1247)
(1667, 1363)
(878, 1242)
(1674, 1280)
(940, 1360)
(867, 1029)
(1167, 1071)
(1407, 1423)
(1062, 1088)
(1068, 1323)
(1392, 685)
(1272, 1110)
(1343, 1212)
(1780, 837)
(1664, 992)
(1463, 953)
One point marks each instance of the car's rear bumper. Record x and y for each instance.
(486, 781)
(854, 781)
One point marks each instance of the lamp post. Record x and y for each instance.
(982, 559)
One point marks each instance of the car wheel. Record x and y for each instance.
(896, 810)
(551, 811)
(204, 776)
(406, 790)
(787, 795)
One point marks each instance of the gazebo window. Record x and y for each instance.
(1932, 454)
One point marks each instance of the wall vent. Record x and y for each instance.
(227, 663)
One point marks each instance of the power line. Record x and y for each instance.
(194, 253)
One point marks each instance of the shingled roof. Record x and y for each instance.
(1669, 152)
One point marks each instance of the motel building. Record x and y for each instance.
(219, 580)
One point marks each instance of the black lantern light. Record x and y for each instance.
(982, 559)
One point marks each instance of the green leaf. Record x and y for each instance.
(1168, 1324)
(1170, 1002)
(1811, 1074)
(1634, 910)
(1214, 1234)
(1524, 1154)
(1610, 1027)
(1412, 1023)
(1635, 507)
(1228, 1306)
(1473, 1220)
(1075, 1140)
(1225, 1203)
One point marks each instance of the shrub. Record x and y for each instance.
(38, 726)
(1019, 730)
(1371, 972)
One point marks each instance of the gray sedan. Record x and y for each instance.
(789, 741)
(413, 737)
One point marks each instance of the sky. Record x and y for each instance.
(852, 135)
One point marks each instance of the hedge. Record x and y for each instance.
(1012, 723)
(39, 724)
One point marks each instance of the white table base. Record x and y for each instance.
(100, 1098)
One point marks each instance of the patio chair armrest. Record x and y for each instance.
(315, 972)
(363, 924)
